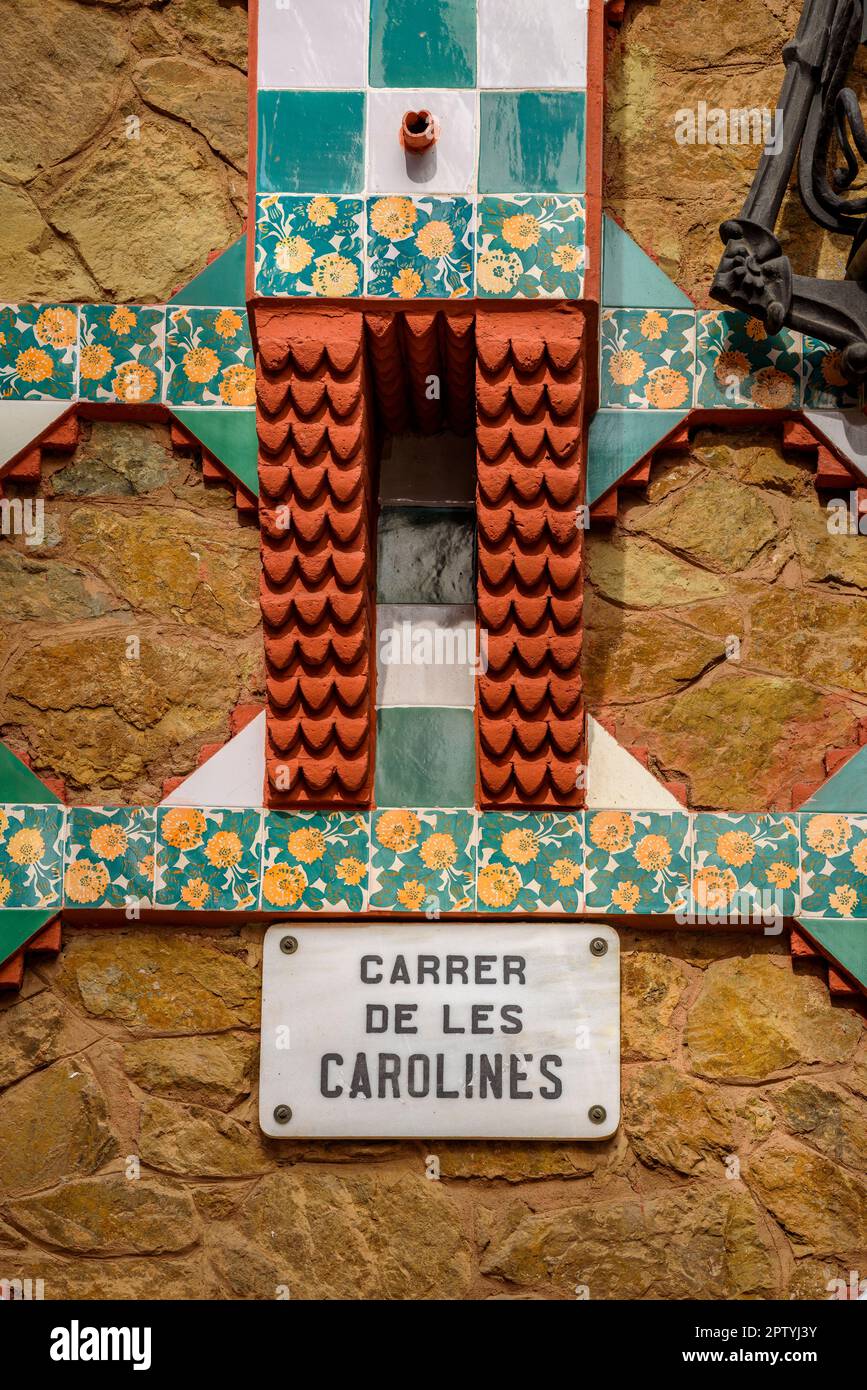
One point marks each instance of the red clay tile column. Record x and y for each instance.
(315, 480)
(530, 402)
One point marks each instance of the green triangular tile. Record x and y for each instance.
(846, 942)
(846, 791)
(18, 785)
(19, 927)
(230, 435)
(220, 284)
(618, 439)
(630, 279)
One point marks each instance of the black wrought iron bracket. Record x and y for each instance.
(818, 124)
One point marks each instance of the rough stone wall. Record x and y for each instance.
(136, 546)
(738, 1171)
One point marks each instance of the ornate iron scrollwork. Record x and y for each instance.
(821, 126)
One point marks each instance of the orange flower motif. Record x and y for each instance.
(307, 844)
(238, 386)
(435, 239)
(781, 875)
(521, 846)
(439, 851)
(736, 847)
(522, 231)
(407, 283)
(224, 849)
(293, 254)
(653, 853)
(321, 211)
(228, 323)
(832, 369)
(412, 895)
(85, 881)
(393, 218)
(351, 871)
(284, 884)
(565, 872)
(612, 830)
(5, 888)
(121, 320)
(859, 856)
(666, 388)
(59, 327)
(653, 325)
(4, 821)
(844, 900)
(146, 867)
(94, 361)
(498, 885)
(498, 272)
(626, 367)
(26, 847)
(714, 888)
(183, 828)
(134, 382)
(627, 896)
(34, 364)
(195, 892)
(398, 830)
(772, 389)
(108, 841)
(335, 276)
(828, 834)
(201, 364)
(756, 330)
(731, 366)
(568, 257)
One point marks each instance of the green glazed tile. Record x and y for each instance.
(618, 439)
(310, 247)
(109, 857)
(311, 142)
(221, 282)
(423, 861)
(230, 435)
(315, 860)
(845, 791)
(532, 142)
(740, 365)
(825, 387)
(648, 358)
(530, 861)
(637, 862)
(834, 865)
(18, 783)
(530, 248)
(414, 43)
(121, 353)
(31, 855)
(38, 351)
(208, 859)
(425, 757)
(209, 358)
(420, 248)
(746, 866)
(17, 928)
(630, 279)
(845, 942)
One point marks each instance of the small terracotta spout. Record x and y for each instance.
(418, 131)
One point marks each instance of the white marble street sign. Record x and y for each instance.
(441, 1030)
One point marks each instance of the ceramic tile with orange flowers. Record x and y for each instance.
(530, 247)
(746, 866)
(741, 365)
(648, 358)
(825, 386)
(31, 855)
(209, 358)
(637, 861)
(315, 860)
(121, 353)
(38, 351)
(310, 246)
(834, 866)
(420, 248)
(208, 860)
(422, 861)
(530, 861)
(109, 857)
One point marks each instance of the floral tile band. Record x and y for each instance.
(698, 868)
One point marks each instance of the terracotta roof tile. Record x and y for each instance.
(315, 474)
(530, 393)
